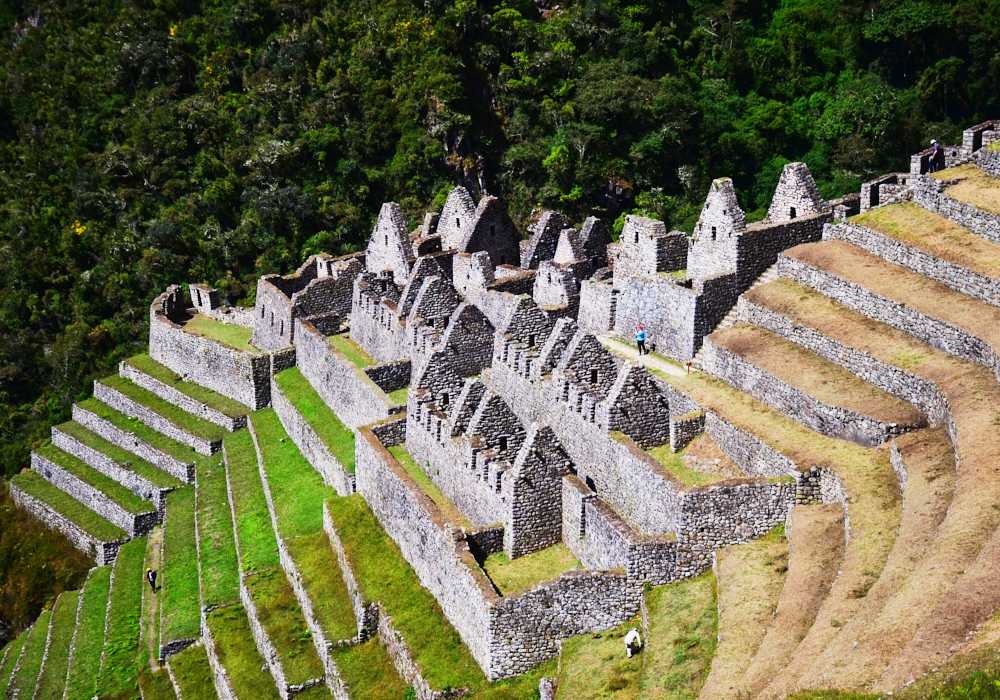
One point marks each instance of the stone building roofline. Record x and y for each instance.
(796, 195)
(721, 214)
(456, 218)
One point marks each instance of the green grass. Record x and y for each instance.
(138, 465)
(181, 612)
(238, 654)
(23, 682)
(334, 434)
(595, 666)
(155, 685)
(193, 673)
(199, 427)
(87, 474)
(683, 628)
(322, 579)
(673, 463)
(512, 577)
(142, 431)
(120, 668)
(223, 404)
(279, 613)
(351, 350)
(399, 396)
(226, 333)
(518, 688)
(428, 486)
(385, 576)
(89, 642)
(220, 574)
(368, 671)
(13, 652)
(53, 680)
(90, 522)
(257, 545)
(151, 610)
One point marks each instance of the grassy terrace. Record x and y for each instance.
(351, 350)
(594, 666)
(448, 508)
(198, 427)
(12, 651)
(193, 673)
(220, 576)
(674, 463)
(279, 613)
(139, 466)
(399, 396)
(180, 615)
(369, 672)
(53, 680)
(22, 683)
(257, 546)
(238, 654)
(384, 576)
(334, 434)
(120, 666)
(90, 522)
(323, 581)
(223, 404)
(155, 685)
(521, 574)
(90, 476)
(751, 577)
(236, 337)
(975, 187)
(142, 431)
(819, 378)
(935, 235)
(89, 640)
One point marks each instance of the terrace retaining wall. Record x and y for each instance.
(931, 194)
(180, 399)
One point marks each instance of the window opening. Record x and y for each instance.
(792, 213)
(503, 444)
(713, 233)
(387, 239)
(458, 222)
(444, 399)
(593, 376)
(531, 341)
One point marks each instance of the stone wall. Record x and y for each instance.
(989, 162)
(390, 376)
(930, 193)
(310, 444)
(346, 389)
(180, 399)
(233, 373)
(759, 246)
(833, 421)
(598, 302)
(667, 310)
(128, 441)
(118, 401)
(753, 456)
(103, 552)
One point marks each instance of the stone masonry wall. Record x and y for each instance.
(989, 162)
(751, 455)
(667, 310)
(180, 399)
(930, 193)
(598, 301)
(390, 376)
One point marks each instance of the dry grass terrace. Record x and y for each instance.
(975, 187)
(699, 464)
(820, 379)
(935, 235)
(237, 337)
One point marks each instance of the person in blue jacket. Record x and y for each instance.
(640, 340)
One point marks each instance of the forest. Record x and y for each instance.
(151, 142)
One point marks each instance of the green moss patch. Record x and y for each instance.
(428, 486)
(220, 576)
(179, 595)
(385, 576)
(87, 520)
(233, 336)
(89, 641)
(199, 427)
(32, 657)
(351, 350)
(513, 577)
(595, 666)
(281, 617)
(120, 669)
(193, 673)
(141, 430)
(257, 546)
(325, 585)
(238, 654)
(338, 438)
(136, 464)
(213, 399)
(53, 680)
(90, 476)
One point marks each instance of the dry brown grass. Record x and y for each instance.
(820, 379)
(900, 285)
(750, 579)
(703, 455)
(947, 588)
(976, 187)
(935, 235)
(817, 539)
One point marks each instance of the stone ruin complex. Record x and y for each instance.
(530, 412)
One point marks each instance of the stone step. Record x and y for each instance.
(103, 495)
(134, 401)
(807, 388)
(187, 396)
(135, 437)
(131, 471)
(88, 531)
(929, 245)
